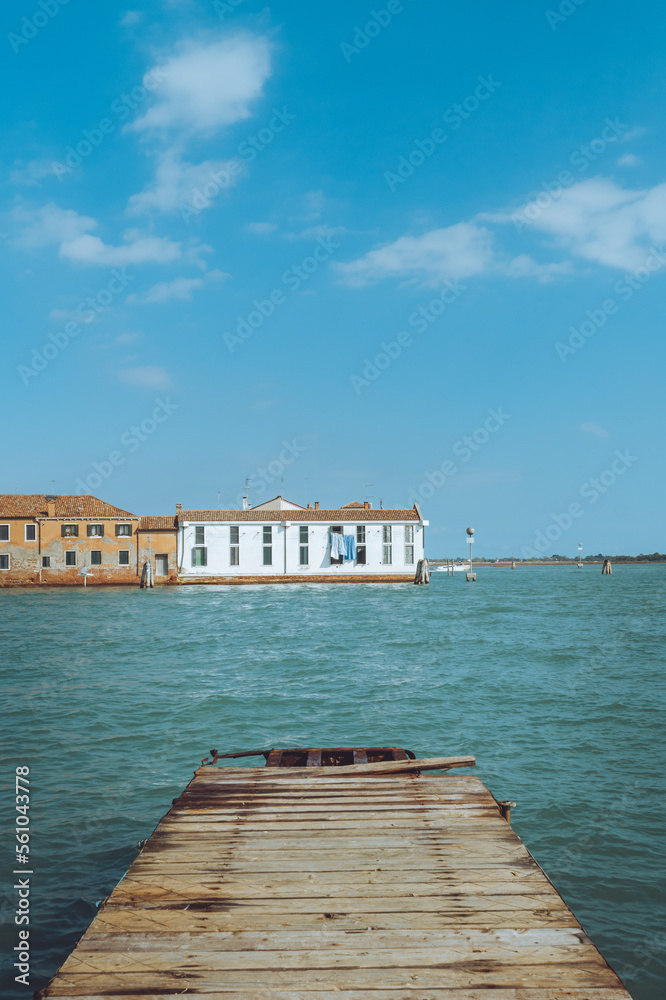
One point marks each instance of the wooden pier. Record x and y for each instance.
(340, 883)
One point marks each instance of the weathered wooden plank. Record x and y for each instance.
(390, 993)
(353, 770)
(191, 958)
(488, 974)
(280, 940)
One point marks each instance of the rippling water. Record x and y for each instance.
(553, 677)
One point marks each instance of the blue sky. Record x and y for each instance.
(415, 250)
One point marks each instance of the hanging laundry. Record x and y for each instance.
(350, 547)
(337, 545)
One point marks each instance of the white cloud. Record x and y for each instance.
(131, 17)
(261, 227)
(177, 183)
(147, 377)
(595, 429)
(604, 223)
(459, 251)
(30, 174)
(179, 288)
(629, 160)
(144, 250)
(207, 87)
(42, 227)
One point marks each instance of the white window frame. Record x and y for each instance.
(70, 552)
(8, 557)
(303, 545)
(387, 545)
(34, 528)
(267, 546)
(120, 552)
(92, 552)
(234, 547)
(199, 530)
(409, 545)
(91, 534)
(46, 564)
(9, 532)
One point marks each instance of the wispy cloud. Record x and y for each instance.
(45, 226)
(92, 251)
(178, 289)
(177, 182)
(263, 228)
(629, 160)
(147, 377)
(30, 174)
(595, 429)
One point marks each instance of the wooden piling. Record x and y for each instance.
(607, 568)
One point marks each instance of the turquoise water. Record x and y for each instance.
(553, 677)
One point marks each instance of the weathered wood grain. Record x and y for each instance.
(358, 886)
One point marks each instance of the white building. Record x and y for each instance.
(279, 539)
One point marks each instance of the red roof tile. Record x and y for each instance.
(335, 516)
(34, 505)
(158, 522)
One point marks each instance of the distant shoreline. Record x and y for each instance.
(547, 562)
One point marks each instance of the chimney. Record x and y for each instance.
(316, 505)
(179, 507)
(366, 504)
(50, 508)
(309, 507)
(245, 503)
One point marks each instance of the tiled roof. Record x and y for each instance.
(335, 516)
(157, 522)
(34, 505)
(354, 503)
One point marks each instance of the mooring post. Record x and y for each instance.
(607, 568)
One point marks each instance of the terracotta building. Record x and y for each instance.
(52, 539)
(158, 536)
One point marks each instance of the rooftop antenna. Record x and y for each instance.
(367, 487)
(218, 499)
(381, 503)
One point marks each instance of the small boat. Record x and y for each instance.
(457, 568)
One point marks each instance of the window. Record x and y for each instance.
(304, 548)
(96, 557)
(30, 532)
(69, 531)
(199, 535)
(234, 545)
(268, 545)
(409, 544)
(123, 530)
(360, 545)
(70, 558)
(200, 556)
(4, 532)
(387, 547)
(95, 531)
(46, 562)
(123, 557)
(5, 561)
